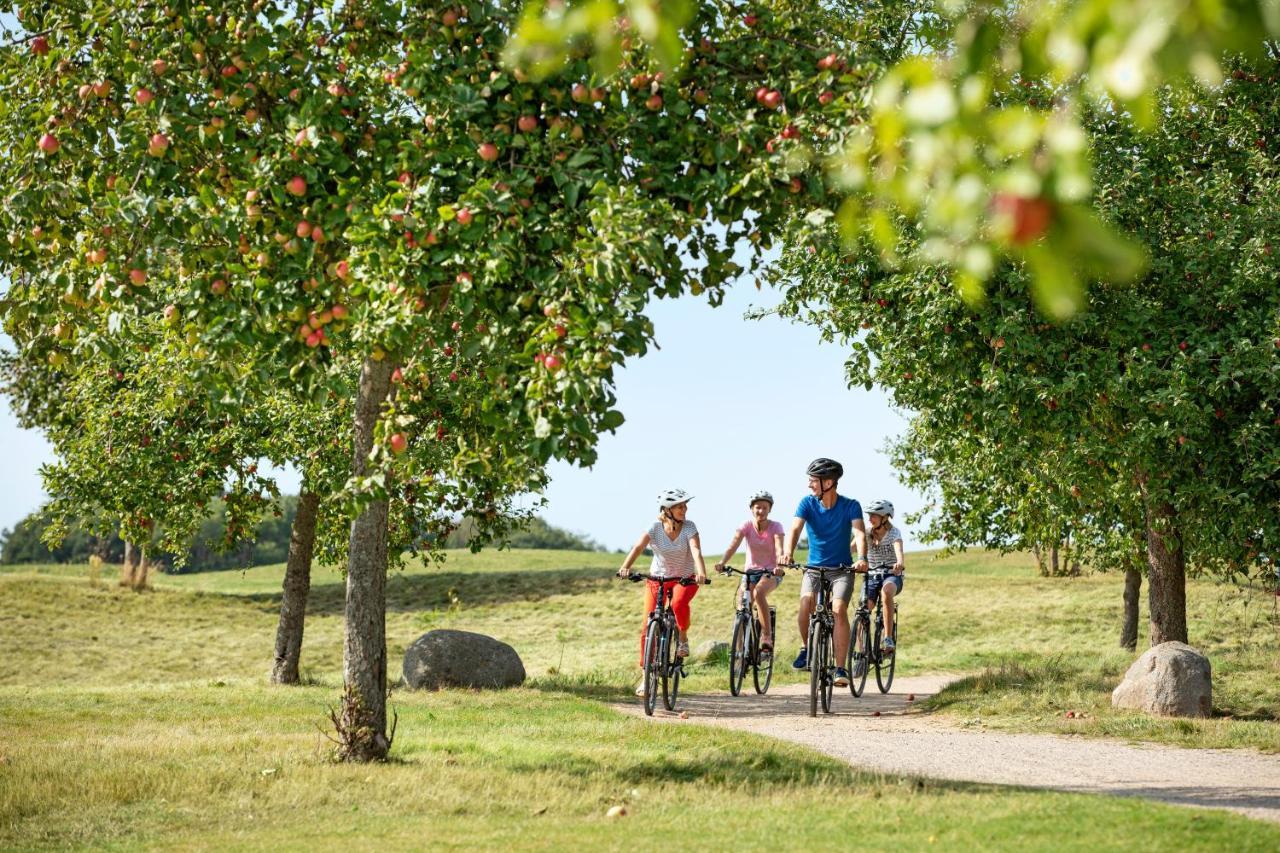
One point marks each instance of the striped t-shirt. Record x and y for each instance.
(882, 556)
(672, 558)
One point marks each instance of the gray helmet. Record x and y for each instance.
(671, 497)
(825, 469)
(761, 495)
(880, 507)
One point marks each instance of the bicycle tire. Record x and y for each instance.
(761, 670)
(671, 671)
(889, 665)
(859, 662)
(738, 655)
(651, 668)
(815, 667)
(828, 670)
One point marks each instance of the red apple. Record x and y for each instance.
(580, 93)
(342, 269)
(137, 276)
(465, 216)
(97, 256)
(40, 45)
(218, 287)
(791, 132)
(772, 99)
(102, 89)
(171, 313)
(158, 144)
(229, 71)
(340, 312)
(653, 102)
(453, 376)
(297, 185)
(552, 362)
(313, 340)
(303, 229)
(49, 143)
(143, 97)
(527, 124)
(560, 330)
(399, 442)
(1028, 218)
(397, 376)
(749, 20)
(1182, 346)
(826, 97)
(317, 234)
(488, 152)
(158, 67)
(449, 18)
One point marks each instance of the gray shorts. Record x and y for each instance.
(841, 585)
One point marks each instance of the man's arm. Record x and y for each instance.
(793, 536)
(860, 540)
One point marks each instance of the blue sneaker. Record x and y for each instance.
(802, 660)
(887, 644)
(842, 677)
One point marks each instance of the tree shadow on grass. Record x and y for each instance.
(441, 590)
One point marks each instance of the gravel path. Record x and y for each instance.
(903, 741)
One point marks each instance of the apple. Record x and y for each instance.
(40, 46)
(447, 350)
(598, 94)
(1182, 346)
(137, 276)
(229, 71)
(143, 97)
(1028, 218)
(791, 132)
(102, 89)
(796, 186)
(580, 93)
(772, 99)
(313, 340)
(317, 234)
(639, 81)
(750, 20)
(828, 62)
(342, 269)
(560, 330)
(552, 362)
(488, 152)
(453, 376)
(49, 143)
(449, 18)
(826, 97)
(158, 144)
(303, 229)
(465, 216)
(653, 102)
(761, 91)
(998, 343)
(218, 287)
(527, 123)
(340, 312)
(463, 278)
(171, 313)
(297, 185)
(701, 96)
(158, 67)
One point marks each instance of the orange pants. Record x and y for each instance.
(678, 595)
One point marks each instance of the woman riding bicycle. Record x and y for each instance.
(885, 555)
(764, 552)
(677, 554)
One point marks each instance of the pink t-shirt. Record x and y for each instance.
(761, 553)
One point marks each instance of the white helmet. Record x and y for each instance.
(880, 507)
(761, 495)
(671, 497)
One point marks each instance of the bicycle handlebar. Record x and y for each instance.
(638, 578)
(730, 570)
(827, 569)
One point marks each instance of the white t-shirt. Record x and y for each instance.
(672, 558)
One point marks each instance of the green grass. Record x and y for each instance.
(243, 766)
(142, 719)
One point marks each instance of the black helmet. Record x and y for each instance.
(825, 469)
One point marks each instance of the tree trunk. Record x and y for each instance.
(1053, 560)
(297, 583)
(1044, 571)
(1166, 573)
(1132, 591)
(130, 568)
(364, 651)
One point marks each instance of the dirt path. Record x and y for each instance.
(903, 741)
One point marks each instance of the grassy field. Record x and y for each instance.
(142, 719)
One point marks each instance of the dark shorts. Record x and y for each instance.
(875, 580)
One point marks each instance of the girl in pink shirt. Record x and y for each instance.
(764, 552)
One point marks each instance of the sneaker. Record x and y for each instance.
(766, 650)
(682, 650)
(802, 660)
(640, 688)
(887, 645)
(842, 677)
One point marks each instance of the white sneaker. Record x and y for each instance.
(640, 688)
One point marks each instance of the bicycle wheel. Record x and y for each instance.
(738, 654)
(762, 668)
(886, 662)
(859, 646)
(815, 666)
(651, 666)
(671, 678)
(828, 670)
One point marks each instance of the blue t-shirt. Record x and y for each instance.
(830, 530)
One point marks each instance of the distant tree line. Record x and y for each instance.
(207, 551)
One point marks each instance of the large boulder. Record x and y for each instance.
(461, 659)
(710, 651)
(1171, 679)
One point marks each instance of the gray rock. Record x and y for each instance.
(710, 650)
(461, 659)
(1171, 679)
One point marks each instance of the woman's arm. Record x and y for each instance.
(633, 555)
(899, 552)
(731, 550)
(778, 555)
(695, 548)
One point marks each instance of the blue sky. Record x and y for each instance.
(724, 407)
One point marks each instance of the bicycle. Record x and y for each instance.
(864, 654)
(821, 648)
(660, 639)
(745, 649)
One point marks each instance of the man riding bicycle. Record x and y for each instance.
(831, 521)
